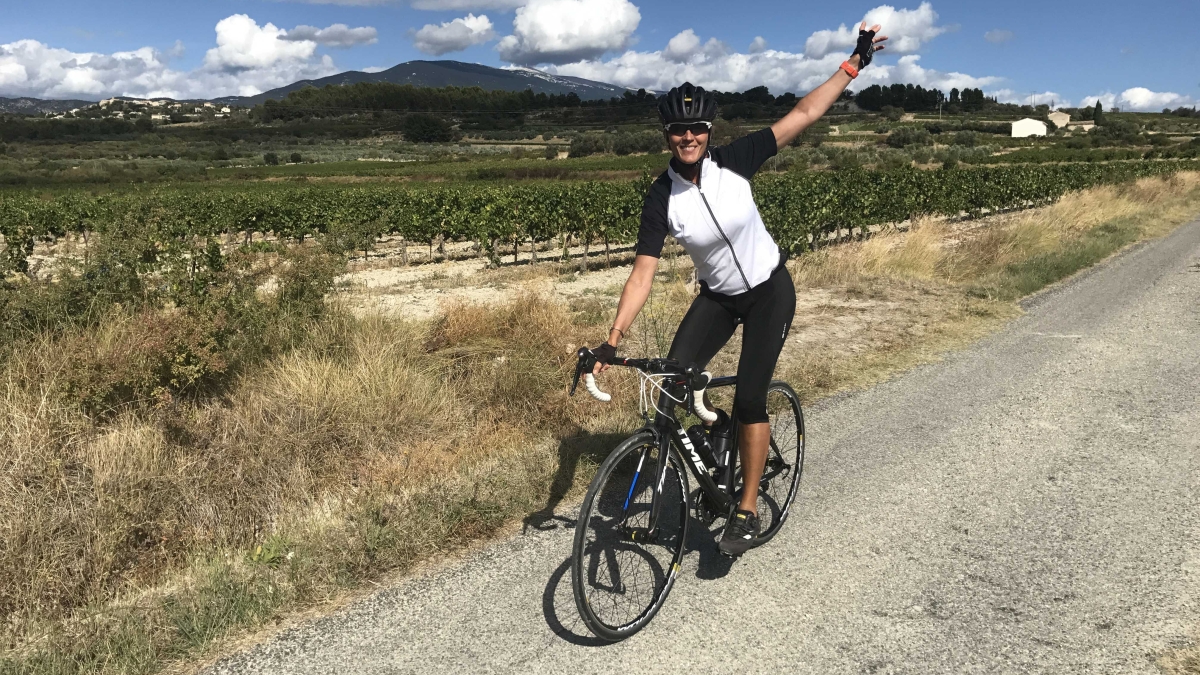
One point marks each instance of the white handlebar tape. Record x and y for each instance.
(589, 382)
(698, 403)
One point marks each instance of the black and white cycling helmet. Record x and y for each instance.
(687, 103)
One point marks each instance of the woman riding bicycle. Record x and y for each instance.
(709, 208)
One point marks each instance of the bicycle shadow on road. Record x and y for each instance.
(558, 602)
(570, 450)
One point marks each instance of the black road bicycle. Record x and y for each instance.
(633, 524)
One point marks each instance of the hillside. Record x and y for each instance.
(447, 74)
(36, 106)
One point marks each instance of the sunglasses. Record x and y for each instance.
(681, 128)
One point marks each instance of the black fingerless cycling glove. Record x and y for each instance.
(865, 48)
(605, 353)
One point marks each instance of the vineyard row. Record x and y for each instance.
(799, 208)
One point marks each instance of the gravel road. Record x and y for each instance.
(1027, 505)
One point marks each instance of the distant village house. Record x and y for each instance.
(1028, 127)
(1062, 120)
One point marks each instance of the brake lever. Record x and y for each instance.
(583, 364)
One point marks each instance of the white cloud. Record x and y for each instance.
(1141, 98)
(243, 44)
(780, 71)
(907, 29)
(681, 47)
(1107, 99)
(454, 36)
(998, 36)
(338, 35)
(30, 68)
(909, 70)
(564, 31)
(758, 45)
(247, 59)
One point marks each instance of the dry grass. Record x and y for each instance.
(1182, 661)
(382, 444)
(149, 536)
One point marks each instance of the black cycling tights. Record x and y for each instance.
(765, 312)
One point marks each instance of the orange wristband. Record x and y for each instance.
(850, 70)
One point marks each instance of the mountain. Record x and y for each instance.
(449, 74)
(37, 106)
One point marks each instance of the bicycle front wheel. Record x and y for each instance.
(621, 572)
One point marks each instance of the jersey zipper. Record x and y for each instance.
(727, 242)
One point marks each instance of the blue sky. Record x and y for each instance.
(1065, 51)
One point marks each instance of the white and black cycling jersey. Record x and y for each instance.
(717, 221)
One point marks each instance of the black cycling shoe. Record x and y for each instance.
(740, 533)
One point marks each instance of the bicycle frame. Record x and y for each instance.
(667, 430)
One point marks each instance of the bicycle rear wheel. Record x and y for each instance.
(785, 460)
(620, 574)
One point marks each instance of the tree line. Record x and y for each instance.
(915, 98)
(338, 100)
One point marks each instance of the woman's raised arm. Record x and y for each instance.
(813, 106)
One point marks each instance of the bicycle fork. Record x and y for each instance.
(659, 478)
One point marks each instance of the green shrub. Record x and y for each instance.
(296, 158)
(906, 136)
(725, 132)
(967, 139)
(271, 159)
(146, 358)
(423, 128)
(304, 280)
(894, 160)
(646, 141)
(1116, 131)
(584, 145)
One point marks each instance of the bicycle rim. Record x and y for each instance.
(619, 581)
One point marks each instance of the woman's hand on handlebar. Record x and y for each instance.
(604, 355)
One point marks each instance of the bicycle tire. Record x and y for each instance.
(785, 461)
(603, 551)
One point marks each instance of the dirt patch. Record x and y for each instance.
(381, 284)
